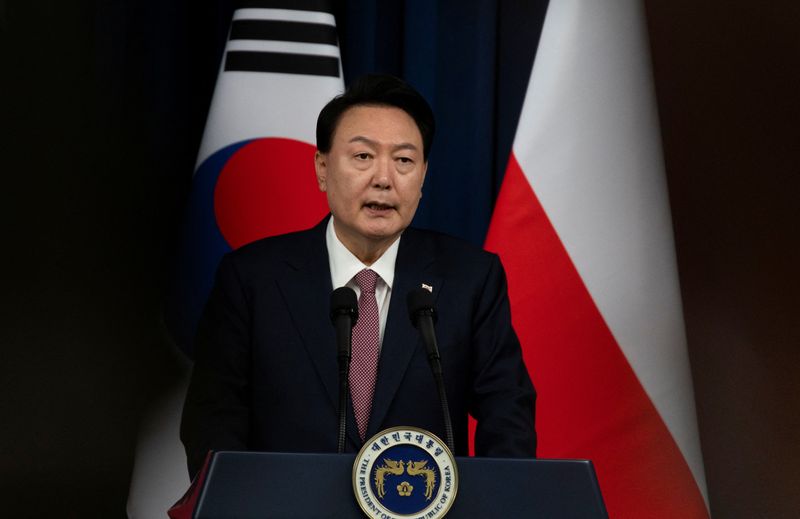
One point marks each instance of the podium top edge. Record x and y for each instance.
(353, 455)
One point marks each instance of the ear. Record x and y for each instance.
(321, 167)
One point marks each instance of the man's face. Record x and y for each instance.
(372, 175)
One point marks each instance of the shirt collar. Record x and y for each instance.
(345, 265)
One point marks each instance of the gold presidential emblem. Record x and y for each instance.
(389, 467)
(405, 472)
(412, 468)
(417, 468)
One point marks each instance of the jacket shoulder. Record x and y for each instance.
(285, 248)
(446, 247)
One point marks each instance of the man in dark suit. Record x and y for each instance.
(265, 375)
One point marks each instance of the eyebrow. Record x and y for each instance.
(366, 140)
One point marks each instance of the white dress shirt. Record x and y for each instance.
(345, 265)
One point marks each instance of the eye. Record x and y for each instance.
(362, 156)
(405, 160)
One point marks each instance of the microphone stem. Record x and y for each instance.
(426, 328)
(344, 328)
(344, 313)
(344, 370)
(436, 368)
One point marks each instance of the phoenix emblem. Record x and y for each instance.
(419, 468)
(388, 467)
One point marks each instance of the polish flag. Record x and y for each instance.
(582, 225)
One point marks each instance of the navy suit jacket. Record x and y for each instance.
(266, 375)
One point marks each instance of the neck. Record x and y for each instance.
(367, 251)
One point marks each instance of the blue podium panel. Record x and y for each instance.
(276, 485)
(260, 485)
(536, 489)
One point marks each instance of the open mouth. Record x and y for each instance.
(375, 206)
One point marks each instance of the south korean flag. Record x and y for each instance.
(254, 178)
(255, 169)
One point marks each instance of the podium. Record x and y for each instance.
(278, 485)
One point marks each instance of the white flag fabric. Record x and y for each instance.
(270, 87)
(583, 228)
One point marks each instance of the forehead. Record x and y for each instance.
(378, 122)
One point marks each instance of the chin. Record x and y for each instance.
(383, 233)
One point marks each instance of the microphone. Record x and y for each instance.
(344, 314)
(423, 317)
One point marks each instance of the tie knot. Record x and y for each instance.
(366, 280)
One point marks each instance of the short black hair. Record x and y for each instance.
(377, 90)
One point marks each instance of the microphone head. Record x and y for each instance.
(344, 302)
(420, 302)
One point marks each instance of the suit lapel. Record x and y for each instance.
(401, 339)
(306, 289)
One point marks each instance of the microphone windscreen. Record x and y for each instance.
(344, 301)
(419, 300)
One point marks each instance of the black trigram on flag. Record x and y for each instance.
(283, 36)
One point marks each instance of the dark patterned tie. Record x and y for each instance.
(366, 335)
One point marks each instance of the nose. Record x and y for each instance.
(382, 177)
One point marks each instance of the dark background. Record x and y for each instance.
(96, 164)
